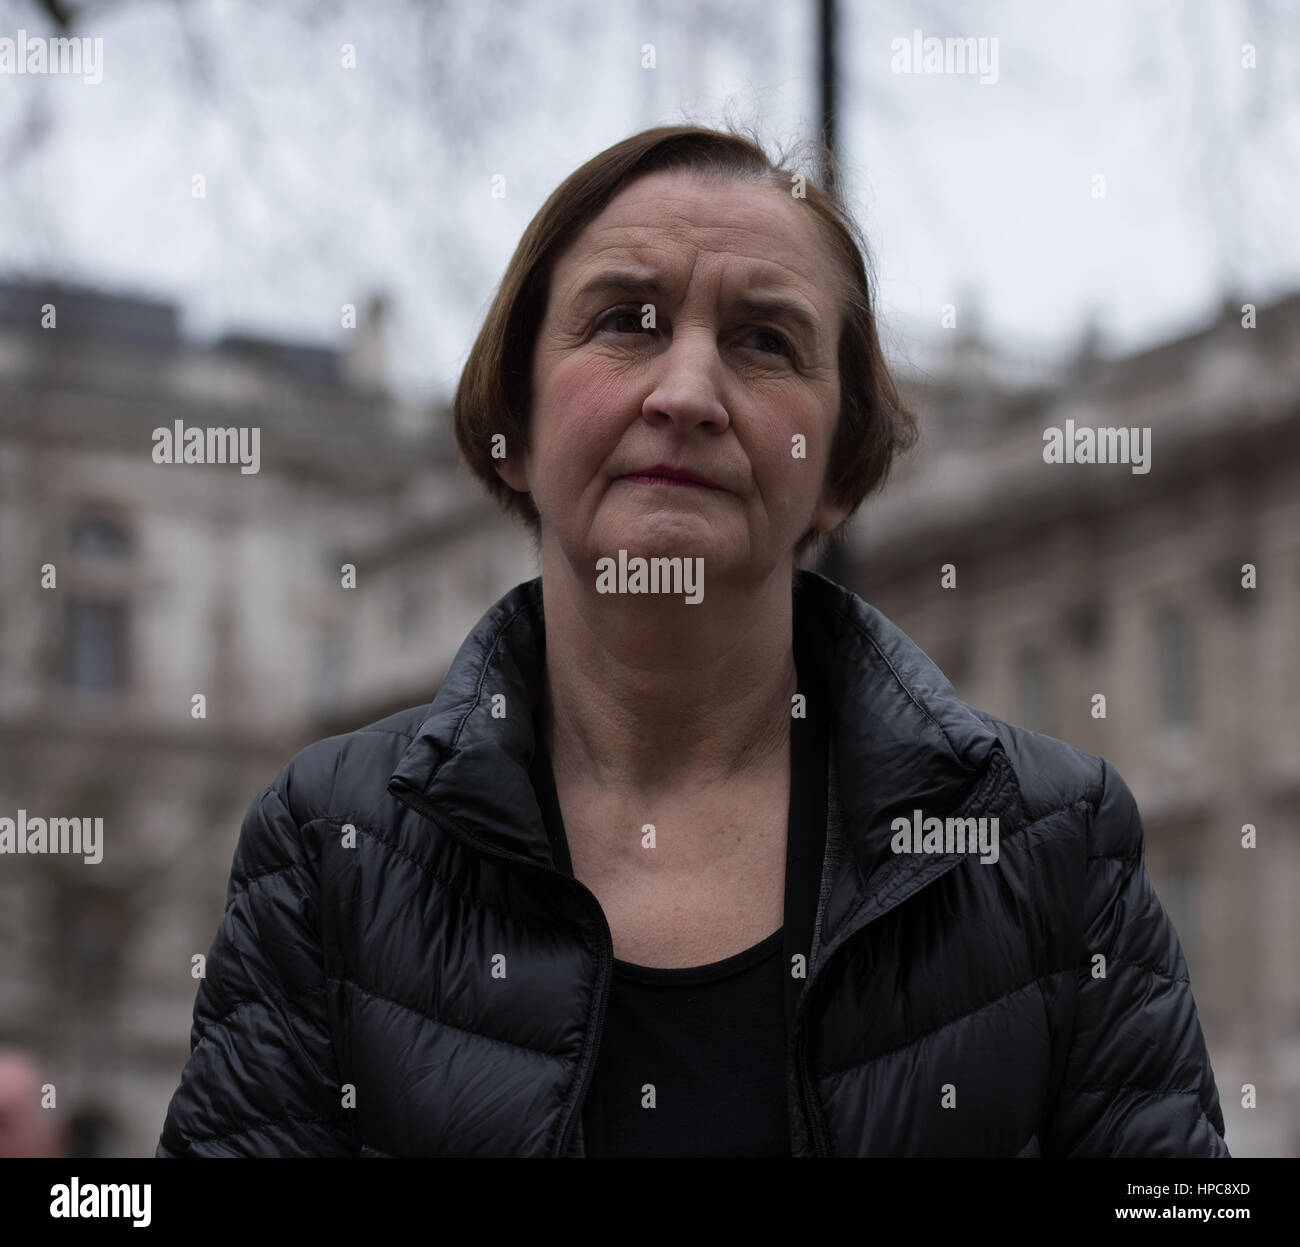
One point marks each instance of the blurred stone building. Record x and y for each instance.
(177, 580)
(172, 580)
(1067, 581)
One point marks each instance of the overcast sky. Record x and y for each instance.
(326, 182)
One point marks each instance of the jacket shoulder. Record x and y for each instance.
(1055, 776)
(347, 774)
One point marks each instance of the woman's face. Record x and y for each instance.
(736, 382)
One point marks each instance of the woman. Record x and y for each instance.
(693, 853)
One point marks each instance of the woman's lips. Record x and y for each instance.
(665, 480)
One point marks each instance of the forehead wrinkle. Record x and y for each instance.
(584, 261)
(757, 281)
(731, 239)
(646, 217)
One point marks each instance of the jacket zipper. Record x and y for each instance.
(818, 1133)
(817, 1130)
(811, 1110)
(605, 957)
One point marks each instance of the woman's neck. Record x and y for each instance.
(649, 695)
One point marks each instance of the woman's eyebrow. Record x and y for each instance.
(623, 282)
(627, 282)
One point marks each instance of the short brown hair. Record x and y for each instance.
(494, 395)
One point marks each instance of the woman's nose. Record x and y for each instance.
(686, 387)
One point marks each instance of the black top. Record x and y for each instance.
(710, 1039)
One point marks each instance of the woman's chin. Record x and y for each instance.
(666, 535)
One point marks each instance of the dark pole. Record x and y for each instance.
(827, 76)
(833, 563)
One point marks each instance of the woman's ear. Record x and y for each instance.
(513, 473)
(829, 514)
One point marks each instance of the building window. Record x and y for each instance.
(89, 926)
(1085, 626)
(406, 611)
(1178, 890)
(1033, 690)
(91, 643)
(331, 663)
(94, 646)
(95, 537)
(1174, 690)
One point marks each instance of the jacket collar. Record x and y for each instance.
(903, 739)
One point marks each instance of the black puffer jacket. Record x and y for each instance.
(951, 1007)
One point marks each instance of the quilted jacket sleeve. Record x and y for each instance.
(261, 1078)
(1137, 1079)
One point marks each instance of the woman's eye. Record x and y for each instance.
(630, 321)
(770, 342)
(621, 320)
